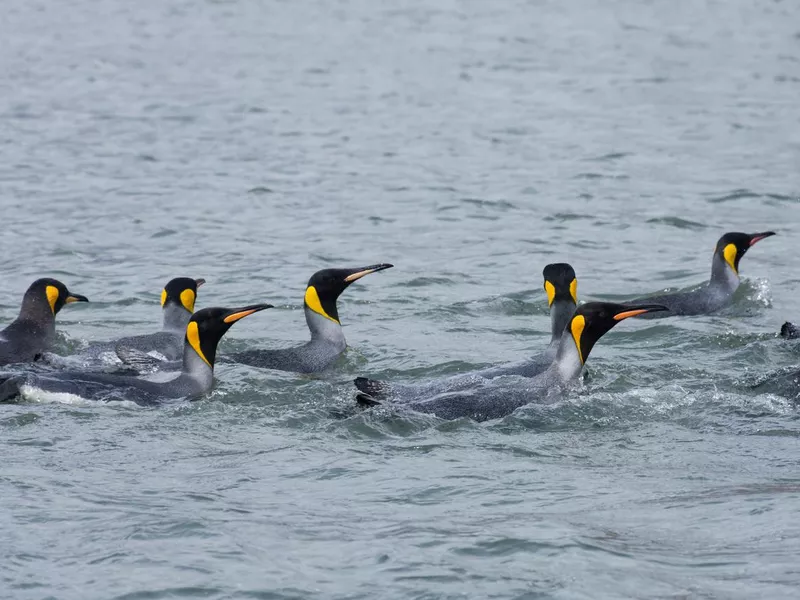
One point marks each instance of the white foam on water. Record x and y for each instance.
(34, 394)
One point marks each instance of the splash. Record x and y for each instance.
(34, 394)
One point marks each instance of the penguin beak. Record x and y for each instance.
(75, 298)
(200, 281)
(757, 237)
(359, 273)
(635, 311)
(240, 313)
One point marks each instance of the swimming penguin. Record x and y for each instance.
(561, 287)
(327, 338)
(204, 331)
(498, 399)
(34, 330)
(177, 305)
(790, 331)
(718, 292)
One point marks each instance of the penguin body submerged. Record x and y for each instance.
(203, 332)
(177, 306)
(790, 331)
(561, 287)
(717, 292)
(497, 399)
(322, 317)
(34, 330)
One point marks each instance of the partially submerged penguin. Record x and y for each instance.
(177, 306)
(322, 316)
(718, 292)
(499, 398)
(204, 331)
(561, 287)
(790, 331)
(34, 330)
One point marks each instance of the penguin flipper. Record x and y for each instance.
(366, 400)
(138, 360)
(373, 388)
(790, 331)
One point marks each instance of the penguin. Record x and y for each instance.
(204, 331)
(718, 292)
(495, 400)
(34, 330)
(177, 306)
(790, 331)
(327, 338)
(561, 287)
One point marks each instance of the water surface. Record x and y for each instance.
(469, 143)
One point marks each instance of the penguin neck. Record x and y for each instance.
(561, 312)
(324, 329)
(37, 310)
(568, 363)
(176, 317)
(196, 369)
(722, 275)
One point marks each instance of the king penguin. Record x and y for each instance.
(322, 316)
(494, 400)
(34, 330)
(177, 306)
(203, 332)
(561, 287)
(790, 331)
(718, 292)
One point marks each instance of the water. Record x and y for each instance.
(469, 143)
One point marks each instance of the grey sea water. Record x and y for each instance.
(469, 143)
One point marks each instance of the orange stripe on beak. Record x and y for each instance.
(629, 313)
(239, 315)
(358, 275)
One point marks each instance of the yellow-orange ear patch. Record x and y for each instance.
(163, 296)
(551, 292)
(52, 296)
(193, 335)
(730, 256)
(576, 327)
(187, 299)
(573, 290)
(313, 302)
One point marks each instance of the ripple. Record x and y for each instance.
(678, 223)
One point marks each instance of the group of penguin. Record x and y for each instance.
(185, 350)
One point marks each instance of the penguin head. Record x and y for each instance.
(593, 320)
(560, 283)
(325, 287)
(49, 293)
(181, 291)
(732, 246)
(208, 325)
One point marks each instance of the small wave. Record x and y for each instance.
(677, 223)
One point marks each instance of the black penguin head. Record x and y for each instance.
(732, 246)
(181, 291)
(560, 283)
(326, 286)
(50, 293)
(208, 325)
(593, 320)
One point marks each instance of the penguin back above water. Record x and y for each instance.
(33, 331)
(322, 317)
